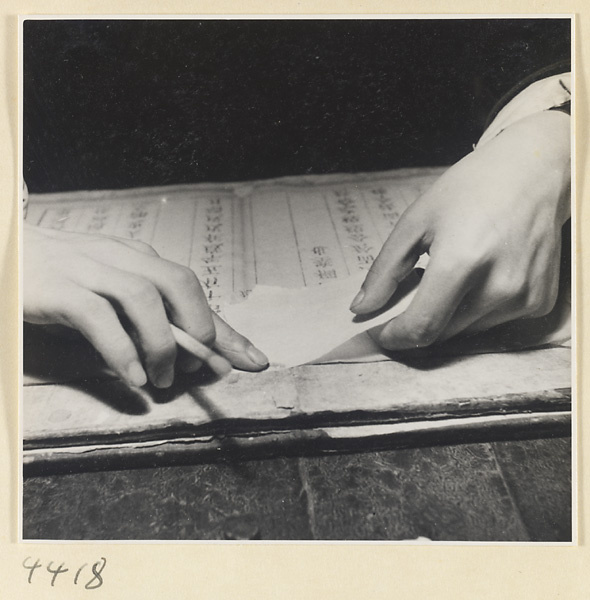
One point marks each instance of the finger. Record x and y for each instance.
(394, 262)
(477, 304)
(187, 306)
(184, 299)
(236, 348)
(477, 309)
(96, 320)
(178, 285)
(533, 308)
(506, 298)
(219, 364)
(440, 292)
(141, 304)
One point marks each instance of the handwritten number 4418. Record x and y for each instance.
(91, 580)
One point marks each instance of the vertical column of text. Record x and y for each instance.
(138, 221)
(386, 205)
(358, 236)
(322, 258)
(211, 253)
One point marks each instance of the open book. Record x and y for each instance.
(299, 248)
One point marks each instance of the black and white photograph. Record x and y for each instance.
(297, 279)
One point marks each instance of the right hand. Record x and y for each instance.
(492, 227)
(121, 296)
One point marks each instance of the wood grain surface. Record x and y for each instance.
(511, 491)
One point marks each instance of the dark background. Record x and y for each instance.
(113, 104)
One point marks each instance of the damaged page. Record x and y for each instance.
(294, 327)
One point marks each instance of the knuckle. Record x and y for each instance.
(414, 216)
(376, 270)
(512, 287)
(96, 242)
(208, 335)
(141, 292)
(90, 313)
(143, 247)
(463, 260)
(421, 338)
(469, 250)
(379, 273)
(540, 304)
(167, 350)
(121, 348)
(94, 305)
(66, 308)
(163, 353)
(421, 332)
(184, 278)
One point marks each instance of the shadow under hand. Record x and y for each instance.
(190, 383)
(57, 355)
(136, 401)
(115, 394)
(54, 354)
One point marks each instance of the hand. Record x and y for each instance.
(492, 226)
(121, 296)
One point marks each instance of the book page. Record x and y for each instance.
(291, 232)
(285, 234)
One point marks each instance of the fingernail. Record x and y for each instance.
(256, 356)
(136, 375)
(357, 300)
(165, 379)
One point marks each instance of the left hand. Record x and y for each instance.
(121, 296)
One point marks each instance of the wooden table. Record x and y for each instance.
(510, 490)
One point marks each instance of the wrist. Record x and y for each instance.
(538, 146)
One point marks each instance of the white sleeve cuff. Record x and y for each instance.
(542, 95)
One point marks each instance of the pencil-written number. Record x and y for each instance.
(87, 575)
